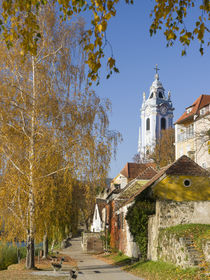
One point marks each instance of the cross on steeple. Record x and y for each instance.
(156, 69)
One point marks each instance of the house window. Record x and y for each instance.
(190, 131)
(187, 183)
(203, 111)
(148, 124)
(163, 123)
(189, 110)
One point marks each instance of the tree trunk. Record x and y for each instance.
(30, 252)
(52, 245)
(30, 237)
(87, 224)
(45, 247)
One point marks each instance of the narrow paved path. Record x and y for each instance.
(91, 268)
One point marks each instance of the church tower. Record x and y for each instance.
(156, 114)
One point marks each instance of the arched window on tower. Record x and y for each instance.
(160, 94)
(148, 124)
(163, 123)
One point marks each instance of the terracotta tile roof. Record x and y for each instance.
(182, 166)
(134, 186)
(201, 102)
(186, 166)
(148, 173)
(128, 192)
(131, 170)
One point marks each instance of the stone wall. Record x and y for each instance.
(179, 251)
(125, 242)
(173, 250)
(92, 242)
(172, 213)
(152, 238)
(206, 249)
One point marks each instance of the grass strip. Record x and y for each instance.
(150, 270)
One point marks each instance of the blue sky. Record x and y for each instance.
(136, 54)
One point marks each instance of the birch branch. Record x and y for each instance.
(13, 163)
(47, 55)
(13, 212)
(54, 172)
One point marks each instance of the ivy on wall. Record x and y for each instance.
(137, 218)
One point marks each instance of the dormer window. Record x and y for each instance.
(117, 186)
(189, 110)
(203, 111)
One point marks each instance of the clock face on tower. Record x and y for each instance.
(163, 109)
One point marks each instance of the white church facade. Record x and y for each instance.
(156, 114)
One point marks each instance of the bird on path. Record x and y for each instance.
(73, 274)
(57, 266)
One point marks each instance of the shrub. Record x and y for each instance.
(137, 218)
(8, 255)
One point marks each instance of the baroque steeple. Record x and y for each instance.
(156, 114)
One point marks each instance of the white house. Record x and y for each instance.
(99, 216)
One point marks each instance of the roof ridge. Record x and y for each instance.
(189, 160)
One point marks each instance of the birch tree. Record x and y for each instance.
(51, 124)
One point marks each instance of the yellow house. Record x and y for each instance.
(182, 194)
(192, 132)
(183, 180)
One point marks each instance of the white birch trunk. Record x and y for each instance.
(45, 246)
(30, 238)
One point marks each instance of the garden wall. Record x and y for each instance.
(171, 213)
(179, 251)
(92, 242)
